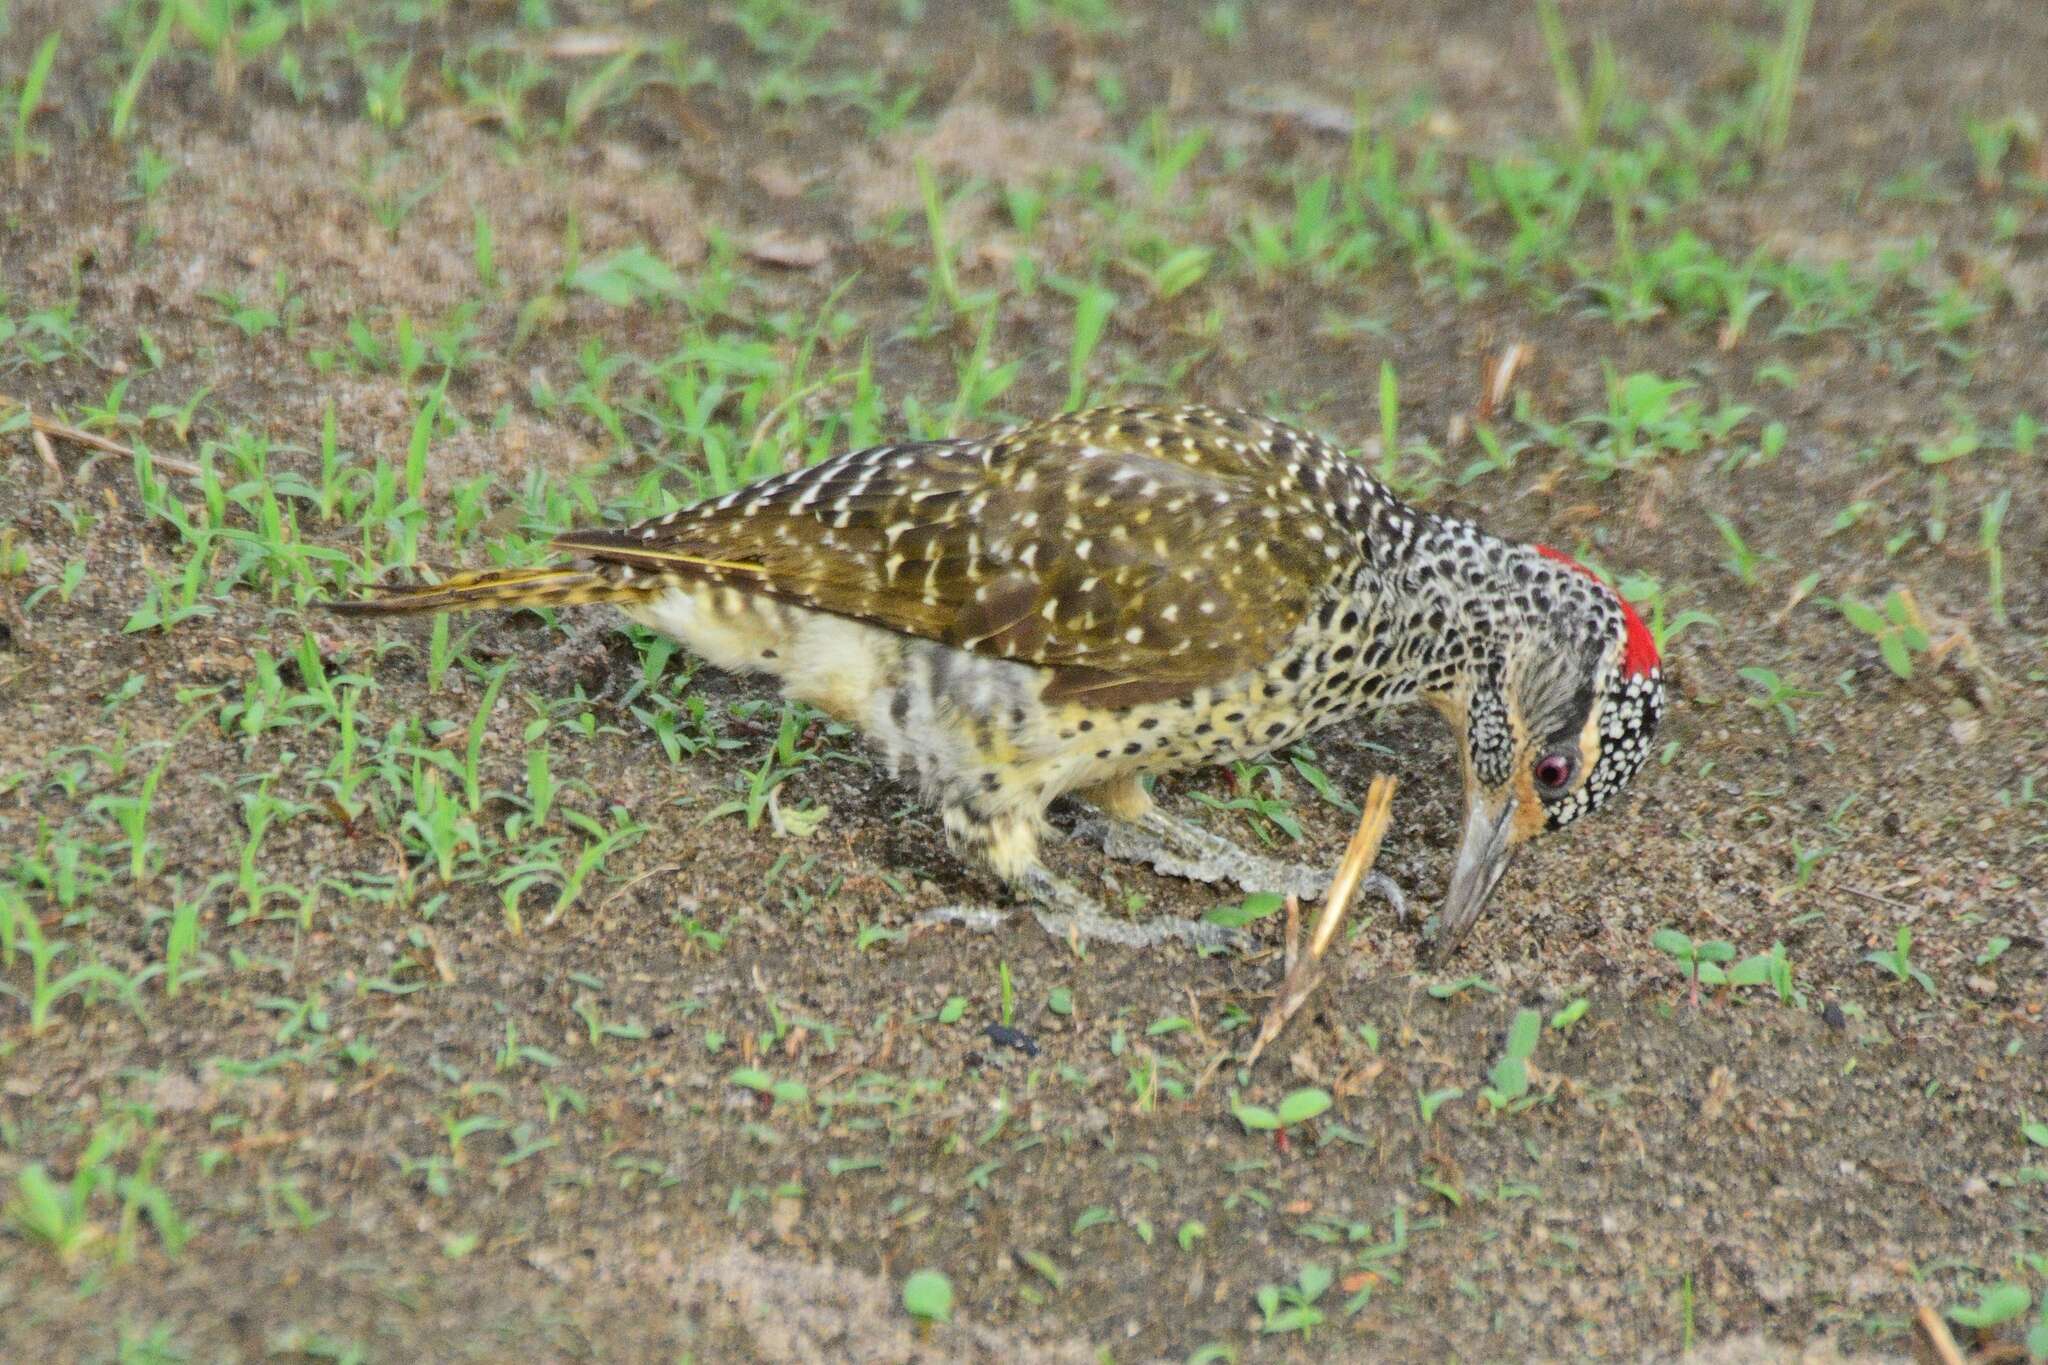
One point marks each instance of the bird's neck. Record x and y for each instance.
(1440, 592)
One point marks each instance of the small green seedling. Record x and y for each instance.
(1996, 1305)
(1773, 969)
(1091, 317)
(45, 1211)
(58, 1214)
(2025, 433)
(1257, 906)
(1897, 629)
(1428, 1103)
(1992, 140)
(1777, 695)
(1390, 420)
(1666, 626)
(1292, 1307)
(1989, 527)
(1899, 960)
(928, 1296)
(1510, 1075)
(761, 1083)
(26, 105)
(1742, 561)
(1446, 990)
(1297, 1107)
(1701, 960)
(1805, 860)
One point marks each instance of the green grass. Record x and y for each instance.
(27, 102)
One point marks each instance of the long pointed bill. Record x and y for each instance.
(1483, 854)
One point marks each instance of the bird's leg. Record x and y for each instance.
(1137, 830)
(1141, 832)
(1065, 911)
(1008, 846)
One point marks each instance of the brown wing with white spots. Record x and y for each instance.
(1137, 553)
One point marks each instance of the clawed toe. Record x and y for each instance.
(1391, 889)
(1178, 849)
(1093, 831)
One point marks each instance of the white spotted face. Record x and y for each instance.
(1561, 720)
(1627, 704)
(1631, 707)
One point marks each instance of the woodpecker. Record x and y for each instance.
(1069, 606)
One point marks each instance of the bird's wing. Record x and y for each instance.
(1135, 556)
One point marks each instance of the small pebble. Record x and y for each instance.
(1004, 1036)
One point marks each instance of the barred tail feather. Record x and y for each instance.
(560, 586)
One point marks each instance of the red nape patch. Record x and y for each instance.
(1639, 655)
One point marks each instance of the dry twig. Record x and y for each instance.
(1935, 1333)
(40, 439)
(1497, 379)
(41, 429)
(1304, 970)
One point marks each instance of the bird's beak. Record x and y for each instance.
(1483, 854)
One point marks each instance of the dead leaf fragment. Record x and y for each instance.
(788, 251)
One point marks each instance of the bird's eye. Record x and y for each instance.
(1553, 771)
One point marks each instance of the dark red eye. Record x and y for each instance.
(1553, 770)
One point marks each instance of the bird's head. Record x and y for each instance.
(1553, 721)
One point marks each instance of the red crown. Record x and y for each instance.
(1640, 654)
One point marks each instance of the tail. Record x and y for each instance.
(560, 586)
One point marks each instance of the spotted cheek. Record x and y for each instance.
(1582, 795)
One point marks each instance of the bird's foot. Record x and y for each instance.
(1069, 915)
(1181, 848)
